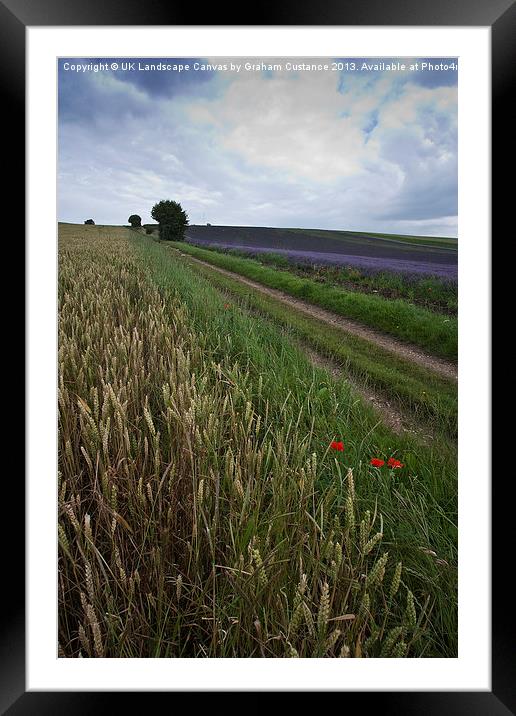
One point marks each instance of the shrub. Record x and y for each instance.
(149, 230)
(135, 220)
(89, 221)
(170, 214)
(167, 233)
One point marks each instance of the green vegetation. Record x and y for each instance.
(398, 318)
(420, 518)
(201, 509)
(430, 292)
(172, 220)
(430, 399)
(135, 220)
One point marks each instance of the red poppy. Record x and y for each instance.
(376, 462)
(337, 445)
(392, 462)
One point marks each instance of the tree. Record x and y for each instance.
(89, 221)
(172, 220)
(135, 220)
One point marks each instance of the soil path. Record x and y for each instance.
(389, 413)
(408, 352)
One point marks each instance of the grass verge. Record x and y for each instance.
(436, 294)
(412, 324)
(429, 398)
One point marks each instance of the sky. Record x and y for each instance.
(360, 147)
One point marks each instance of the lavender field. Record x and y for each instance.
(368, 253)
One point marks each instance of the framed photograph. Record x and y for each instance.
(258, 365)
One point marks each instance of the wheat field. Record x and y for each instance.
(198, 515)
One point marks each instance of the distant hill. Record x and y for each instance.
(347, 243)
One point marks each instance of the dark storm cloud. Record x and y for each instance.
(163, 83)
(429, 187)
(84, 100)
(85, 96)
(422, 199)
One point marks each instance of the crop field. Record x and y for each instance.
(372, 252)
(227, 487)
(435, 292)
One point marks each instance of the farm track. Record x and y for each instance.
(408, 352)
(390, 414)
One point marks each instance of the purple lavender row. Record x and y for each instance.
(368, 263)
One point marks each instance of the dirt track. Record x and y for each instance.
(408, 352)
(389, 413)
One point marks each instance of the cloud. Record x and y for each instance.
(368, 151)
(99, 96)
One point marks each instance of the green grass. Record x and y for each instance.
(419, 504)
(429, 398)
(403, 320)
(431, 292)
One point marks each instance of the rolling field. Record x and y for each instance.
(217, 496)
(399, 318)
(437, 293)
(374, 252)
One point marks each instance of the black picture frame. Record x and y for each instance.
(15, 16)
